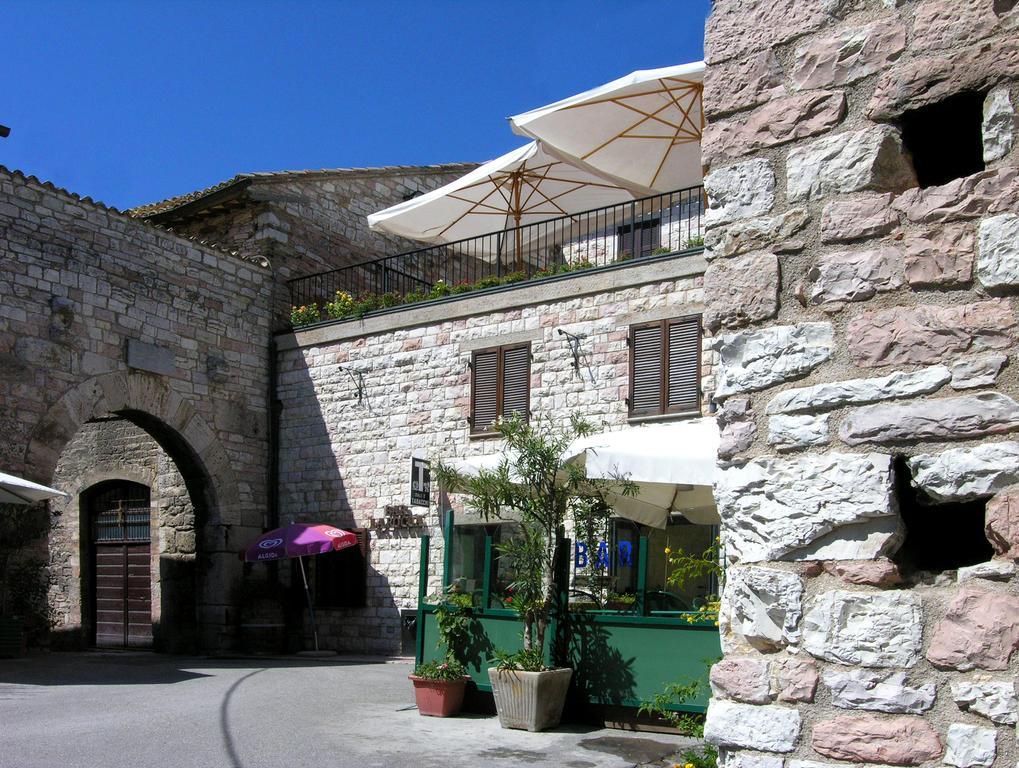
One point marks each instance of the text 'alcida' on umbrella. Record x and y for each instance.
(299, 540)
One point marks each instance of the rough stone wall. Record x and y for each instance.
(116, 449)
(874, 362)
(344, 461)
(104, 315)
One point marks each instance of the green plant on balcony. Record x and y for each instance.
(341, 306)
(694, 242)
(304, 315)
(344, 306)
(661, 251)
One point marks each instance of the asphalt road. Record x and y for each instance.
(131, 710)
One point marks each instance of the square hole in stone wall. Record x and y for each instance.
(939, 536)
(945, 139)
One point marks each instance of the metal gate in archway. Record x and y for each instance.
(121, 541)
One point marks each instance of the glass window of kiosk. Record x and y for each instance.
(467, 566)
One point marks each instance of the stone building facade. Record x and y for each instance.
(862, 155)
(137, 351)
(346, 450)
(106, 320)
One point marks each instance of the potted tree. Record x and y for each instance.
(22, 575)
(534, 487)
(439, 685)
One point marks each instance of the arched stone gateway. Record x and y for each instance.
(193, 576)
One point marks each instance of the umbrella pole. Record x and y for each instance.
(307, 595)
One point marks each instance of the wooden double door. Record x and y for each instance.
(121, 544)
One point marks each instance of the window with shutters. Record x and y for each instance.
(340, 579)
(500, 385)
(640, 239)
(665, 367)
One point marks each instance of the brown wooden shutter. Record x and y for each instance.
(646, 365)
(484, 389)
(684, 368)
(516, 380)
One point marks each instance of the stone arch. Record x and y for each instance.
(149, 402)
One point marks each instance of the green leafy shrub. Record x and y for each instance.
(341, 306)
(448, 669)
(304, 315)
(694, 242)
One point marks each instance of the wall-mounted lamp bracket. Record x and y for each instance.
(574, 339)
(358, 378)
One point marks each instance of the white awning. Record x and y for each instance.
(16, 490)
(673, 465)
(642, 130)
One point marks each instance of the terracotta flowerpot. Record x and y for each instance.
(531, 701)
(438, 698)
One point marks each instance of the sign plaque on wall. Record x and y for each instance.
(420, 482)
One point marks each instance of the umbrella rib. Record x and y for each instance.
(694, 92)
(534, 181)
(629, 128)
(673, 143)
(497, 188)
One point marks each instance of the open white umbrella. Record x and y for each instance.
(672, 464)
(525, 186)
(16, 490)
(642, 130)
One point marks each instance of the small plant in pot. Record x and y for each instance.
(439, 685)
(536, 488)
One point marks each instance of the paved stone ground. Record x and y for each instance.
(116, 710)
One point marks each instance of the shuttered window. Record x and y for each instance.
(500, 385)
(665, 367)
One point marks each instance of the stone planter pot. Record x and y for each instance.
(438, 698)
(12, 637)
(530, 701)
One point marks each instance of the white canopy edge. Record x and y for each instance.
(681, 453)
(383, 220)
(520, 122)
(17, 490)
(673, 465)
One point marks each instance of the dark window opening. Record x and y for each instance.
(945, 139)
(341, 578)
(639, 239)
(939, 536)
(500, 385)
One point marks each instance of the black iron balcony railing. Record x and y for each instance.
(654, 225)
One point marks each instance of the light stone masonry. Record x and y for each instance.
(859, 391)
(784, 509)
(868, 629)
(869, 566)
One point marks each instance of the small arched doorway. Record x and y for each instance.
(120, 537)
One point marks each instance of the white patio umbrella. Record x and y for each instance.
(642, 130)
(16, 490)
(525, 186)
(672, 464)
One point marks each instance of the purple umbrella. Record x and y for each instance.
(299, 540)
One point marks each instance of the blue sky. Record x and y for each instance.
(134, 102)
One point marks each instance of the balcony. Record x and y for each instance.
(657, 226)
